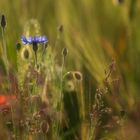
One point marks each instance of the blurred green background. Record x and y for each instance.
(95, 32)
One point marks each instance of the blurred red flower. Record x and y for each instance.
(6, 101)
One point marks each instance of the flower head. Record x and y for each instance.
(34, 39)
(6, 99)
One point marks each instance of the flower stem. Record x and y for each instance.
(5, 58)
(35, 48)
(60, 106)
(36, 58)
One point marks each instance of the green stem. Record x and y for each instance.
(61, 96)
(5, 58)
(35, 58)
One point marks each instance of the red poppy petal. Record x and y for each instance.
(2, 99)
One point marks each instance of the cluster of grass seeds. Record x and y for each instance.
(107, 119)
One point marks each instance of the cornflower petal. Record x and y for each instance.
(29, 40)
(24, 40)
(34, 39)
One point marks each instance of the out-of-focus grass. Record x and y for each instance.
(94, 32)
(97, 29)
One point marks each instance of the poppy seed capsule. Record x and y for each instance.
(3, 21)
(64, 52)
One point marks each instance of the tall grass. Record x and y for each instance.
(99, 36)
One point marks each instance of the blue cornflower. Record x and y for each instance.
(34, 40)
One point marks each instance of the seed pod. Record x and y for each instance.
(61, 28)
(69, 76)
(26, 54)
(3, 21)
(78, 76)
(18, 46)
(120, 1)
(64, 52)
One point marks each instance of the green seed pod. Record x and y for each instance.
(3, 21)
(18, 46)
(64, 52)
(26, 53)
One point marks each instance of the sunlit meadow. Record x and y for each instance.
(69, 70)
